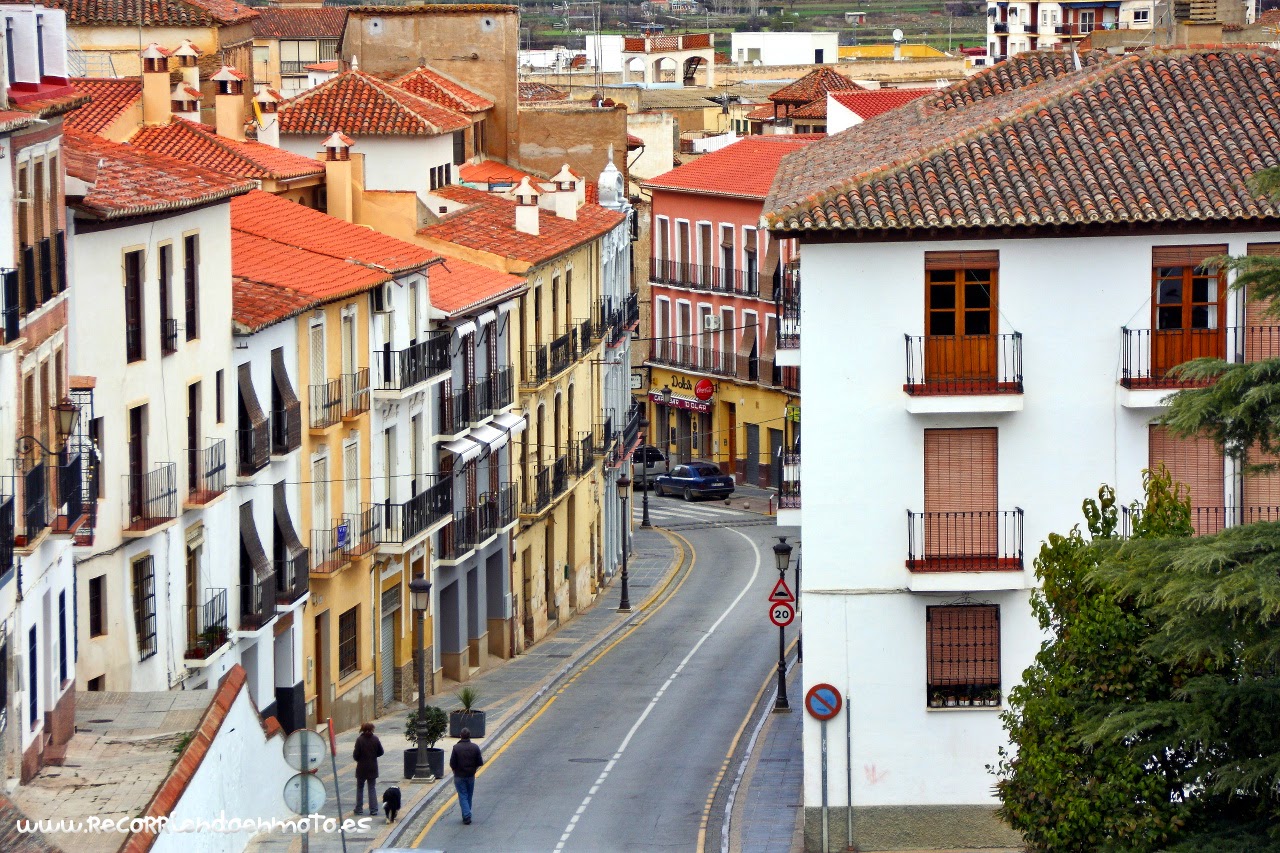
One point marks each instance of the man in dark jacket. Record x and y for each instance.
(464, 761)
(366, 753)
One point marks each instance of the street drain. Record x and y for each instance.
(588, 761)
(558, 656)
(101, 721)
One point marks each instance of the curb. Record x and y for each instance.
(502, 729)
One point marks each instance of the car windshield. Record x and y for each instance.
(705, 470)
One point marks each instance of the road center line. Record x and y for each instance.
(604, 774)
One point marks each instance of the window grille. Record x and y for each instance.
(963, 648)
(144, 606)
(348, 660)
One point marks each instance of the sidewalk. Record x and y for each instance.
(506, 692)
(768, 813)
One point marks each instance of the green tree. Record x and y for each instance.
(1061, 792)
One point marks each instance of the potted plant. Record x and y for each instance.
(965, 701)
(935, 699)
(992, 698)
(436, 724)
(950, 701)
(468, 716)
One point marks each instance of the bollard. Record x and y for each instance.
(770, 504)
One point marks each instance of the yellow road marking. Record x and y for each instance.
(681, 542)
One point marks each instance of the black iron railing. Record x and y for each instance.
(330, 549)
(788, 309)
(168, 336)
(677, 353)
(460, 535)
(258, 601)
(400, 370)
(539, 497)
(254, 448)
(964, 541)
(27, 268)
(501, 392)
(286, 429)
(207, 625)
(585, 458)
(10, 307)
(1207, 520)
(562, 352)
(964, 364)
(355, 393)
(151, 498)
(8, 533)
(1148, 357)
(326, 404)
(291, 578)
(482, 399)
(455, 409)
(206, 471)
(718, 279)
(36, 514)
(401, 522)
(559, 477)
(789, 493)
(364, 529)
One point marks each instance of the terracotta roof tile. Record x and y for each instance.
(439, 9)
(278, 264)
(157, 13)
(1026, 69)
(195, 143)
(762, 113)
(491, 172)
(360, 104)
(744, 168)
(813, 86)
(331, 65)
(431, 85)
(872, 103)
(13, 119)
(265, 215)
(293, 23)
(108, 100)
(530, 92)
(817, 109)
(255, 305)
(457, 286)
(128, 182)
(488, 222)
(1164, 136)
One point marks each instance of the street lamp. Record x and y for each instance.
(782, 556)
(666, 419)
(624, 484)
(420, 599)
(644, 473)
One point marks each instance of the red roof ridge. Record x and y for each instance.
(261, 160)
(310, 113)
(463, 98)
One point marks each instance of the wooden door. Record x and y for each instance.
(1188, 308)
(961, 521)
(193, 593)
(732, 437)
(960, 324)
(137, 463)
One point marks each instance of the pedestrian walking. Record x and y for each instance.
(366, 753)
(464, 761)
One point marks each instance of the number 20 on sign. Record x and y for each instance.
(781, 613)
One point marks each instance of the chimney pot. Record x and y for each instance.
(526, 207)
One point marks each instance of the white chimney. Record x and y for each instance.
(155, 85)
(268, 118)
(185, 102)
(188, 58)
(228, 104)
(566, 195)
(526, 208)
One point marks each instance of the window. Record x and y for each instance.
(1142, 16)
(191, 271)
(351, 478)
(168, 326)
(961, 525)
(33, 676)
(440, 176)
(963, 654)
(97, 684)
(320, 491)
(1196, 462)
(1188, 305)
(133, 336)
(459, 147)
(62, 636)
(97, 468)
(144, 606)
(348, 659)
(661, 239)
(960, 316)
(477, 138)
(97, 606)
(218, 395)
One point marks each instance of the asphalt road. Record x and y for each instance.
(626, 755)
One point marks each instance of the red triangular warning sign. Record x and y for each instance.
(781, 592)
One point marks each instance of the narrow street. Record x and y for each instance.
(625, 755)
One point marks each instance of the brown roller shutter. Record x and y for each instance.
(1197, 463)
(960, 492)
(1262, 331)
(252, 544)
(961, 260)
(249, 397)
(1261, 492)
(1184, 256)
(291, 408)
(963, 643)
(292, 544)
(769, 273)
(746, 343)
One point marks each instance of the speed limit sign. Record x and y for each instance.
(781, 613)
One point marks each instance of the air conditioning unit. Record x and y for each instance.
(710, 323)
(382, 298)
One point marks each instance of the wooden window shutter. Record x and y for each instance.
(963, 643)
(288, 533)
(249, 397)
(962, 260)
(252, 543)
(316, 357)
(1184, 256)
(1262, 331)
(291, 407)
(1196, 462)
(1261, 492)
(746, 343)
(960, 492)
(351, 478)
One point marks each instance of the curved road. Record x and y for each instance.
(625, 755)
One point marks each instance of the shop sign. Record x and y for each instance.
(793, 414)
(678, 402)
(704, 390)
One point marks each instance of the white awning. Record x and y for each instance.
(465, 328)
(485, 319)
(507, 307)
(513, 424)
(487, 435)
(464, 448)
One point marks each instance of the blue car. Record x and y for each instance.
(695, 480)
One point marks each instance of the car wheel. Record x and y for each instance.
(688, 495)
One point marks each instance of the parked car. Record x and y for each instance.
(695, 480)
(647, 464)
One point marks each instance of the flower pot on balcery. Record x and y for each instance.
(436, 723)
(468, 716)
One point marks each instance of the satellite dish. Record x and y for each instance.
(897, 35)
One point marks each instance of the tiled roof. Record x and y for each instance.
(762, 113)
(331, 65)
(813, 86)
(1269, 18)
(744, 168)
(50, 97)
(157, 13)
(491, 172)
(1164, 136)
(488, 223)
(1025, 69)
(13, 120)
(359, 104)
(128, 182)
(634, 142)
(433, 86)
(193, 143)
(438, 9)
(817, 109)
(458, 285)
(282, 264)
(108, 99)
(872, 103)
(282, 221)
(530, 92)
(255, 305)
(289, 22)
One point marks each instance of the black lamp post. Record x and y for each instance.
(644, 473)
(782, 556)
(666, 419)
(420, 598)
(624, 484)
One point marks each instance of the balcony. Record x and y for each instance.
(253, 447)
(168, 336)
(399, 372)
(207, 625)
(789, 493)
(364, 530)
(206, 472)
(400, 524)
(548, 361)
(689, 357)
(952, 546)
(151, 498)
(1000, 27)
(788, 310)
(8, 531)
(458, 538)
(1207, 520)
(1076, 30)
(618, 319)
(584, 456)
(355, 393)
(1149, 358)
(330, 549)
(258, 602)
(10, 307)
(482, 400)
(292, 580)
(539, 497)
(964, 373)
(455, 409)
(286, 429)
(496, 510)
(326, 404)
(501, 389)
(716, 279)
(628, 438)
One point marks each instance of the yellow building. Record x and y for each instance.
(886, 51)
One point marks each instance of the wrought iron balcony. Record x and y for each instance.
(676, 353)
(717, 279)
(789, 493)
(482, 400)
(1149, 357)
(401, 522)
(168, 336)
(788, 308)
(286, 429)
(501, 390)
(206, 472)
(258, 601)
(496, 510)
(539, 497)
(964, 541)
(964, 364)
(1206, 520)
(401, 370)
(291, 578)
(326, 404)
(151, 498)
(207, 625)
(254, 448)
(330, 549)
(455, 409)
(8, 534)
(584, 455)
(559, 477)
(459, 536)
(355, 393)
(364, 530)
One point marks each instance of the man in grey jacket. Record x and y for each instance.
(464, 761)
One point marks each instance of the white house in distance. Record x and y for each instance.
(784, 48)
(1040, 297)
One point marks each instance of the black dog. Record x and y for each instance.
(391, 802)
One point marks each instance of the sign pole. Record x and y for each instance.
(823, 701)
(848, 769)
(306, 798)
(337, 790)
(824, 786)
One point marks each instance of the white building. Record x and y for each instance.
(1017, 27)
(784, 48)
(1009, 266)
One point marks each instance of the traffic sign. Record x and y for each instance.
(781, 613)
(823, 701)
(304, 793)
(781, 592)
(303, 750)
